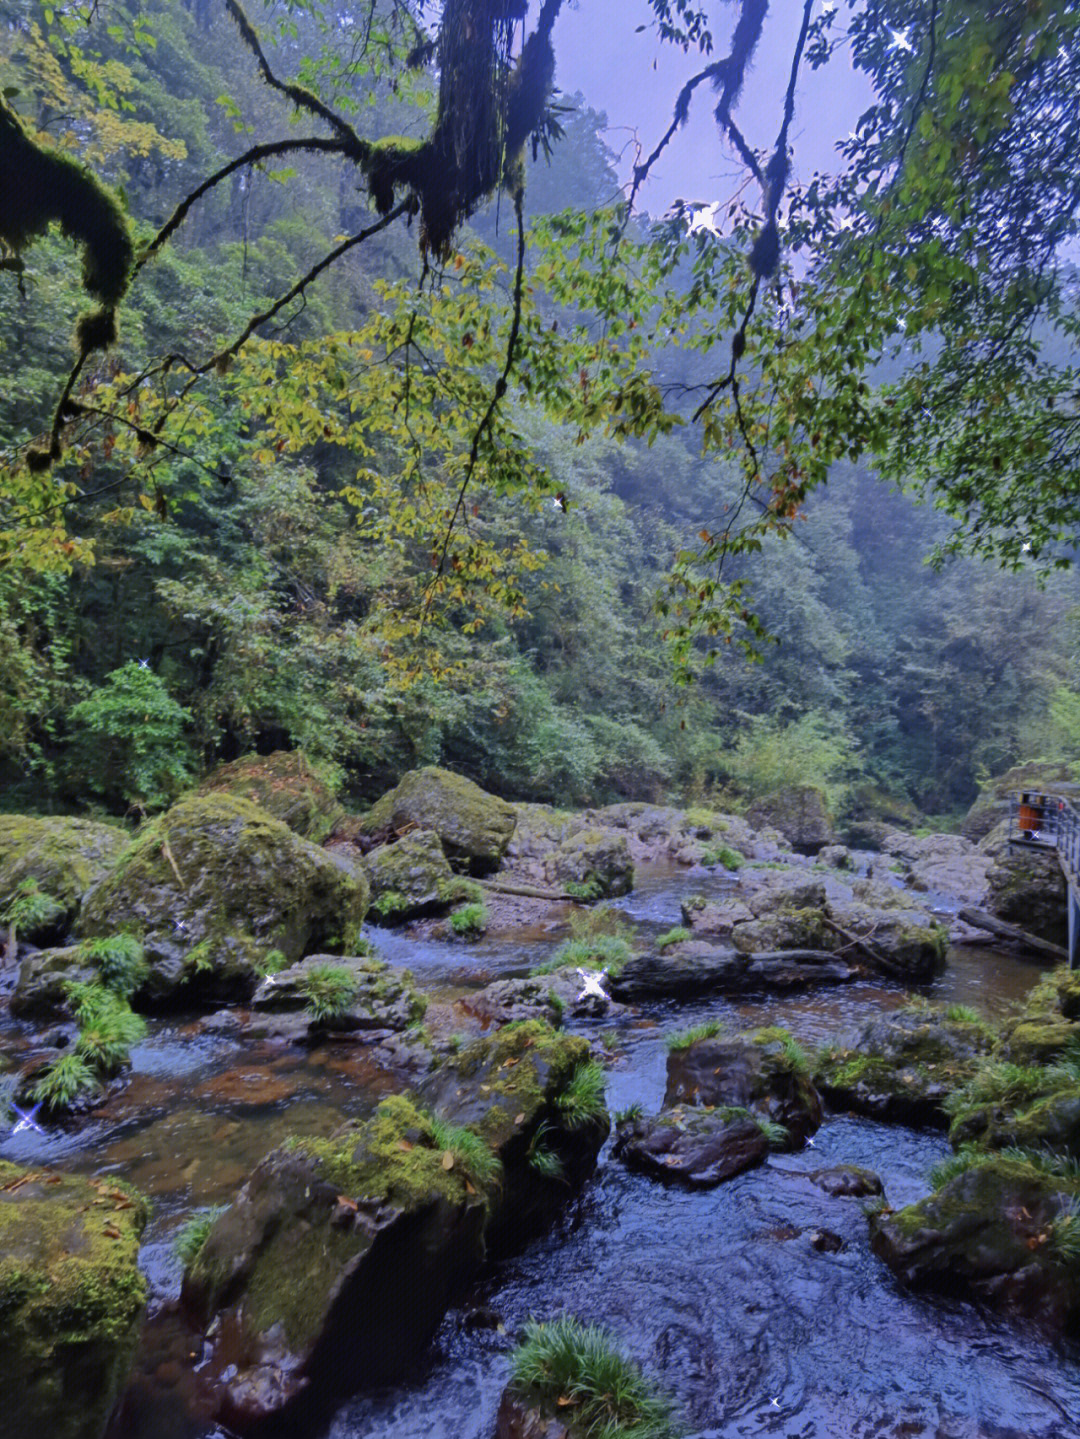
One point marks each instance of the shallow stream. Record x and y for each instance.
(722, 1294)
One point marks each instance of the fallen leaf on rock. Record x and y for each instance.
(347, 1202)
(447, 1159)
(404, 1144)
(519, 1118)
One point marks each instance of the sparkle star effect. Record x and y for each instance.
(775, 1403)
(144, 664)
(810, 1141)
(592, 981)
(26, 1121)
(900, 40)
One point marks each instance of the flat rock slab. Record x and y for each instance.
(698, 967)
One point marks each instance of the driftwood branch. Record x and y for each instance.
(871, 951)
(979, 919)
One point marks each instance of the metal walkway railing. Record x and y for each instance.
(1052, 821)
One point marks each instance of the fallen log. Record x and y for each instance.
(979, 919)
(527, 891)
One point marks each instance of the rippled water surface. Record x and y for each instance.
(722, 1294)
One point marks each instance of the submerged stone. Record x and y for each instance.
(699, 1147)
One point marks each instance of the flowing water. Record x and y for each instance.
(722, 1294)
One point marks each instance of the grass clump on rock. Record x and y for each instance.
(191, 1236)
(469, 921)
(678, 935)
(468, 1150)
(582, 1099)
(708, 1029)
(575, 1371)
(66, 1080)
(330, 990)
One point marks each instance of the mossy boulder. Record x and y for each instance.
(332, 1268)
(1027, 888)
(903, 1066)
(287, 784)
(714, 918)
(784, 929)
(382, 998)
(544, 996)
(989, 1234)
(518, 1089)
(903, 941)
(698, 1147)
(212, 886)
(66, 857)
(408, 877)
(1045, 1122)
(800, 812)
(71, 1300)
(43, 979)
(596, 860)
(763, 1072)
(1038, 1040)
(475, 827)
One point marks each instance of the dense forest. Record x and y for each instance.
(288, 563)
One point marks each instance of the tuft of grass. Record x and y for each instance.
(64, 1082)
(119, 960)
(708, 1029)
(582, 1100)
(557, 1004)
(776, 1134)
(472, 1153)
(575, 1371)
(1065, 1233)
(191, 1236)
(459, 889)
(469, 921)
(542, 1158)
(1000, 1082)
(962, 1014)
(678, 935)
(272, 962)
(31, 910)
(630, 1113)
(601, 951)
(107, 1034)
(725, 855)
(329, 989)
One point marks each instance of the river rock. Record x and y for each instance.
(903, 1066)
(763, 1072)
(800, 812)
(335, 1263)
(947, 864)
(836, 856)
(698, 967)
(66, 857)
(406, 877)
(212, 886)
(596, 861)
(384, 998)
(43, 979)
(71, 1297)
(900, 939)
(714, 918)
(475, 827)
(517, 1419)
(1027, 888)
(988, 1234)
(699, 1147)
(287, 784)
(544, 996)
(847, 1181)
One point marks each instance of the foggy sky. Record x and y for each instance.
(598, 53)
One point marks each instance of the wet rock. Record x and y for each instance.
(763, 1072)
(801, 814)
(595, 860)
(901, 941)
(825, 1241)
(212, 886)
(382, 998)
(406, 877)
(947, 864)
(287, 784)
(846, 1181)
(781, 929)
(517, 1419)
(837, 856)
(989, 1234)
(777, 893)
(519, 1088)
(66, 857)
(699, 1147)
(903, 1066)
(697, 967)
(714, 919)
(544, 996)
(474, 826)
(1027, 888)
(43, 979)
(72, 1299)
(1048, 1122)
(335, 1263)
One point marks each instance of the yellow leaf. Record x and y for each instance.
(447, 1159)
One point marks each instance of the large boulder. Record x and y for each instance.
(698, 1147)
(1027, 888)
(213, 885)
(947, 864)
(763, 1072)
(335, 1263)
(992, 1233)
(287, 784)
(903, 1066)
(71, 1300)
(408, 877)
(886, 928)
(800, 812)
(66, 857)
(595, 863)
(474, 826)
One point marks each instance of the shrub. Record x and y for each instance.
(469, 921)
(1065, 1233)
(678, 935)
(584, 890)
(582, 1100)
(127, 740)
(575, 1371)
(630, 1113)
(329, 990)
(191, 1236)
(961, 1014)
(119, 960)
